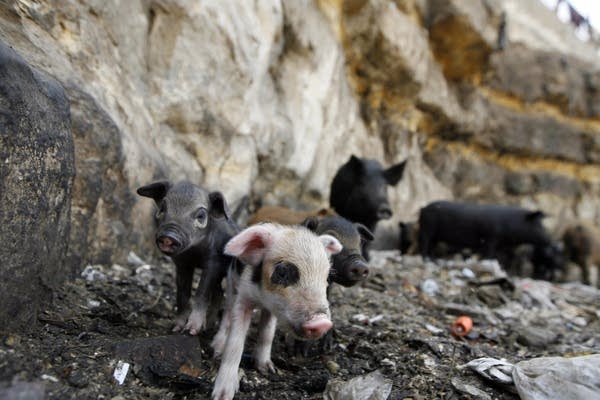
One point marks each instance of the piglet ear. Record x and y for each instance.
(218, 205)
(534, 215)
(157, 190)
(311, 223)
(394, 173)
(364, 232)
(332, 245)
(250, 245)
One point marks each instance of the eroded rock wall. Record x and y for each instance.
(490, 100)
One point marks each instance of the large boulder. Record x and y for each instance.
(36, 178)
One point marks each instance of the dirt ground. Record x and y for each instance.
(397, 322)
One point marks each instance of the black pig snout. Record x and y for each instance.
(358, 270)
(169, 241)
(384, 212)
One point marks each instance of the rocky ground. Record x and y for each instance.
(397, 323)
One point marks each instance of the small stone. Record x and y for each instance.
(535, 336)
(332, 366)
(77, 379)
(12, 340)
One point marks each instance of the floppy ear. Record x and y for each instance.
(365, 233)
(250, 245)
(311, 223)
(394, 173)
(157, 190)
(331, 244)
(534, 215)
(218, 205)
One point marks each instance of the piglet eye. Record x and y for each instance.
(200, 218)
(285, 274)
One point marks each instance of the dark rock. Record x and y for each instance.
(102, 200)
(536, 336)
(174, 361)
(37, 156)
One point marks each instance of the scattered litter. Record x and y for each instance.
(434, 329)
(462, 326)
(498, 371)
(548, 378)
(118, 272)
(92, 273)
(468, 273)
(93, 304)
(373, 386)
(145, 276)
(50, 378)
(364, 319)
(134, 260)
(121, 371)
(430, 287)
(545, 378)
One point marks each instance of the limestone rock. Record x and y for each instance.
(36, 178)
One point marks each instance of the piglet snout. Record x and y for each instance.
(167, 243)
(384, 212)
(316, 327)
(359, 270)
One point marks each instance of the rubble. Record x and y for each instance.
(387, 324)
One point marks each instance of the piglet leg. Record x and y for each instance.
(207, 295)
(262, 353)
(184, 278)
(227, 382)
(218, 342)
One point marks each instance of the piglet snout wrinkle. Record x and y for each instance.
(317, 326)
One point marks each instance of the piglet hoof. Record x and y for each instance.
(218, 344)
(196, 322)
(224, 391)
(180, 323)
(266, 367)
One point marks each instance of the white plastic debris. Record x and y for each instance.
(429, 287)
(50, 378)
(121, 371)
(93, 273)
(548, 378)
(468, 273)
(134, 260)
(373, 386)
(365, 319)
(93, 304)
(545, 378)
(498, 371)
(434, 329)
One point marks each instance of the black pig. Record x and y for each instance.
(487, 229)
(359, 191)
(348, 266)
(193, 226)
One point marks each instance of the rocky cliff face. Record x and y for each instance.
(490, 100)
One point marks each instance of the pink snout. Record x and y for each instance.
(316, 327)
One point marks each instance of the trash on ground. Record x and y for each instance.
(373, 386)
(121, 371)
